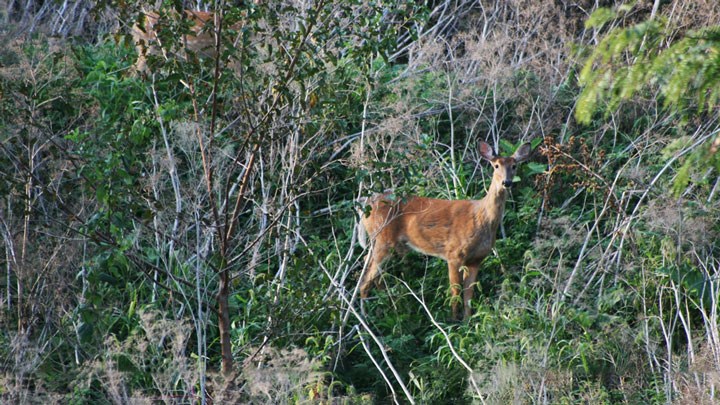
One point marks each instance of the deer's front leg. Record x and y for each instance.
(469, 289)
(377, 255)
(456, 280)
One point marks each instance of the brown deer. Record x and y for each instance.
(460, 232)
(200, 40)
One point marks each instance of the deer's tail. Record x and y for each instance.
(360, 228)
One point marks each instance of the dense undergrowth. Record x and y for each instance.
(138, 210)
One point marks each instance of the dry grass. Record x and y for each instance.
(701, 382)
(160, 352)
(281, 376)
(498, 73)
(674, 218)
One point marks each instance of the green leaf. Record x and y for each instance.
(506, 147)
(535, 168)
(107, 278)
(85, 331)
(600, 17)
(683, 177)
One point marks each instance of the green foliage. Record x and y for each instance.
(596, 274)
(685, 72)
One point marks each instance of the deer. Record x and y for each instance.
(461, 232)
(200, 40)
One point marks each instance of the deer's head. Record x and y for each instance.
(504, 167)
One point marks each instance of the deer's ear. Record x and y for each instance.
(522, 153)
(486, 151)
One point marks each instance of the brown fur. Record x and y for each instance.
(460, 232)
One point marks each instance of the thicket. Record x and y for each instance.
(187, 235)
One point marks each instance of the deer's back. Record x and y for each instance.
(443, 228)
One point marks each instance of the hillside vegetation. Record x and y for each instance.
(187, 233)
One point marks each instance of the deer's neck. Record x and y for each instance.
(492, 206)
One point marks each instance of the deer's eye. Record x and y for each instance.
(497, 166)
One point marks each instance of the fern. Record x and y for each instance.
(685, 73)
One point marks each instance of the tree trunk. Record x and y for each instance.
(224, 322)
